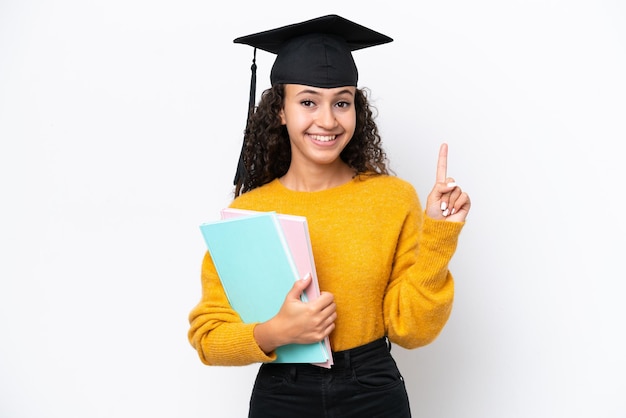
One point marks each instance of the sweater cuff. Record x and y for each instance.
(239, 349)
(441, 230)
(439, 239)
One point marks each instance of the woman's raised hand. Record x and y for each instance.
(447, 200)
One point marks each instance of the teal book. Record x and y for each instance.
(256, 268)
(296, 232)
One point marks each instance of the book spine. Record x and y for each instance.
(285, 244)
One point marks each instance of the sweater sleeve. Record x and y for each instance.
(418, 299)
(216, 330)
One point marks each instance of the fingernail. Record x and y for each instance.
(444, 205)
(445, 212)
(453, 210)
(453, 184)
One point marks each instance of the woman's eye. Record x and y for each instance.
(307, 103)
(343, 104)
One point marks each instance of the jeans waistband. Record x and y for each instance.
(376, 348)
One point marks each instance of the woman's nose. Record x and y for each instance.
(326, 118)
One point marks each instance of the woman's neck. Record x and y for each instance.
(314, 179)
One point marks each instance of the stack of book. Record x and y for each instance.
(258, 257)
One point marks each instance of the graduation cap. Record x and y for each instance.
(316, 52)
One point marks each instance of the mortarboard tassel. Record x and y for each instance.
(241, 169)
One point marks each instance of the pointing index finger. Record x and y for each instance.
(442, 164)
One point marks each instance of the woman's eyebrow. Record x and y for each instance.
(317, 93)
(308, 91)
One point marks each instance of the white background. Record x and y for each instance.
(120, 127)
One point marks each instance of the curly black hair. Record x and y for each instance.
(266, 153)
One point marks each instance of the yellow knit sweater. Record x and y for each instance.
(385, 262)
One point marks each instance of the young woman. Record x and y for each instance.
(312, 149)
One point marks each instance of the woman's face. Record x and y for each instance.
(320, 122)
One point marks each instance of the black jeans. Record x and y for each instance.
(364, 382)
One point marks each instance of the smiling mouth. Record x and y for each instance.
(324, 138)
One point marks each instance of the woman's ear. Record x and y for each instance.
(282, 117)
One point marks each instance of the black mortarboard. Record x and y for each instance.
(316, 52)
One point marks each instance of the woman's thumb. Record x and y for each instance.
(299, 286)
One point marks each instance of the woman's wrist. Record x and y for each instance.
(265, 336)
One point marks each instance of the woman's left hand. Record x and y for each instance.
(447, 200)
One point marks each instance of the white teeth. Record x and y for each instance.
(323, 138)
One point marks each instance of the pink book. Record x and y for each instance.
(296, 231)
